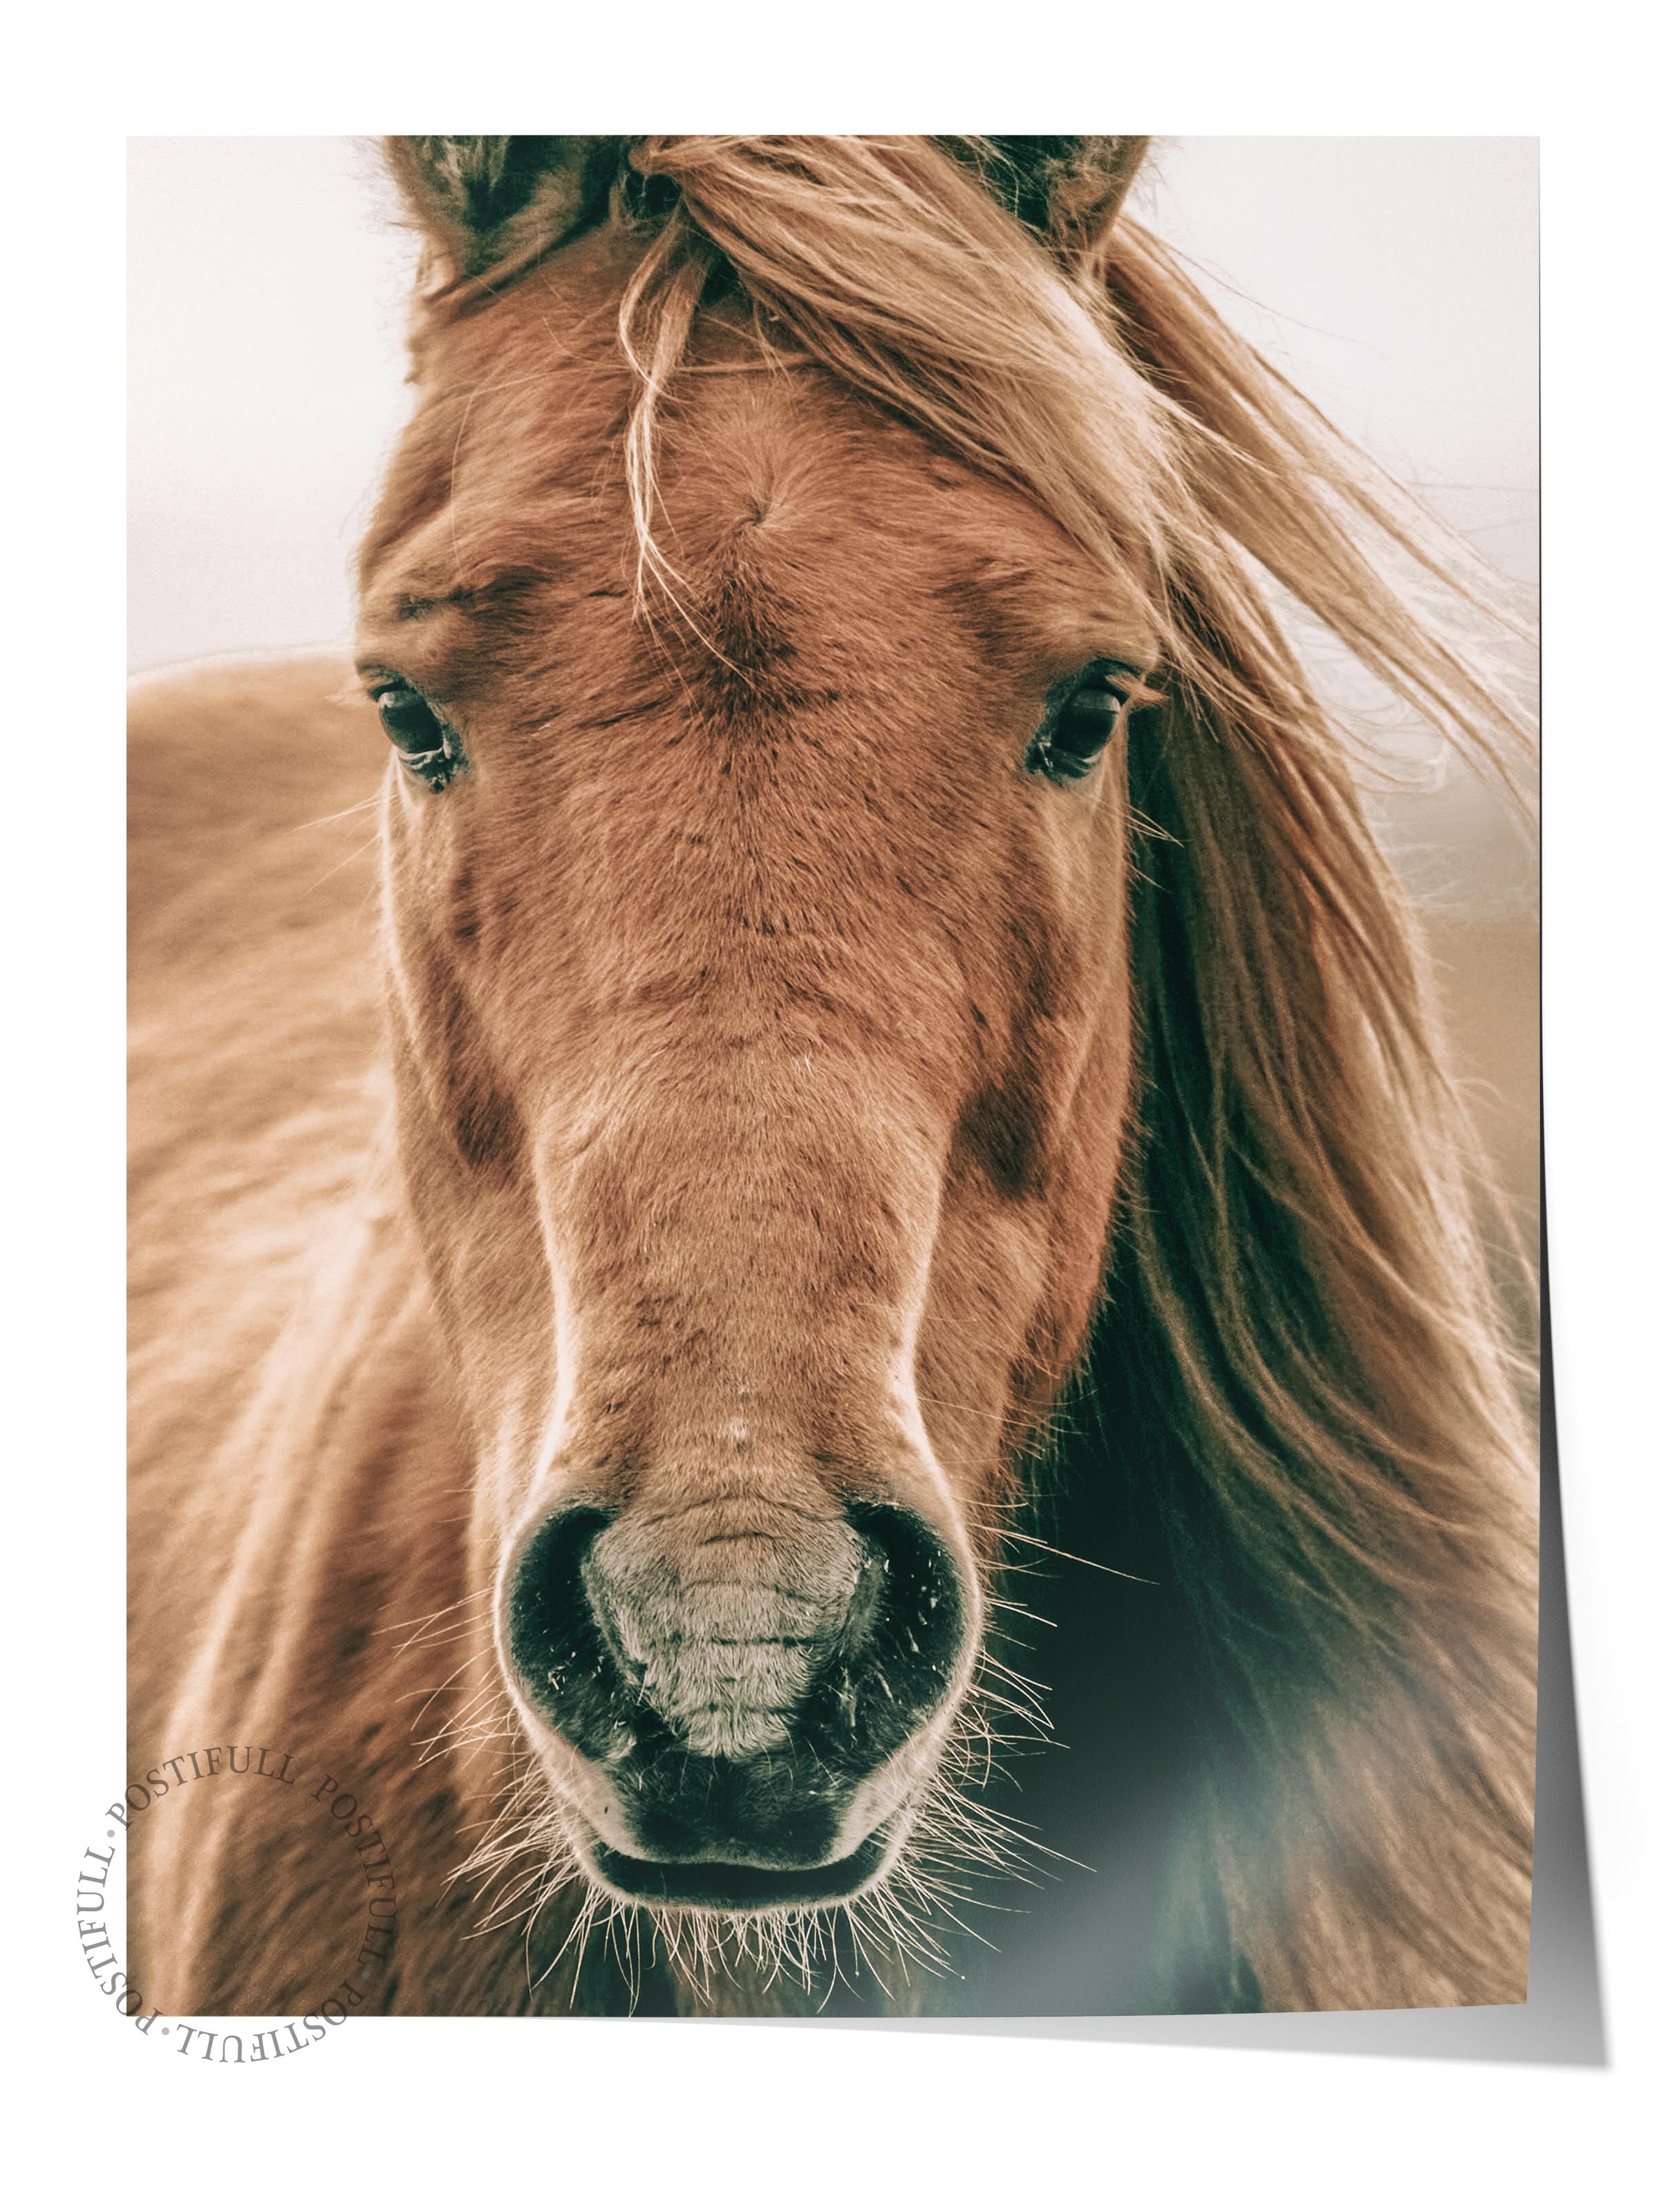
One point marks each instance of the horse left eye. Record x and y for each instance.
(1079, 724)
(426, 746)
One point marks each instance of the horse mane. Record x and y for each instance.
(1297, 1348)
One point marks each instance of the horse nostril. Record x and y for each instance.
(903, 1637)
(556, 1645)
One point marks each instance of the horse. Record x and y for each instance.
(872, 1068)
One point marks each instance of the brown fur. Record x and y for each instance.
(777, 1068)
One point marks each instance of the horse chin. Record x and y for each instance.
(736, 1889)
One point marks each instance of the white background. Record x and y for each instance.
(608, 2113)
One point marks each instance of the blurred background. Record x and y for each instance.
(1393, 280)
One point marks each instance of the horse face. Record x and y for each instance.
(760, 1002)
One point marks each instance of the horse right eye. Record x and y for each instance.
(407, 720)
(426, 745)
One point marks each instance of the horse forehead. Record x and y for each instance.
(777, 473)
(800, 522)
(812, 553)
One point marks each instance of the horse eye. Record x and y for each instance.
(1079, 722)
(427, 747)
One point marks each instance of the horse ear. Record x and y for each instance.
(1067, 190)
(494, 205)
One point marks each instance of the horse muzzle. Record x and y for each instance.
(751, 1709)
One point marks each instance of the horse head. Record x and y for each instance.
(760, 998)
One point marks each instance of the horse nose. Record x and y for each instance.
(720, 1632)
(737, 1684)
